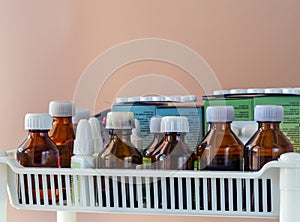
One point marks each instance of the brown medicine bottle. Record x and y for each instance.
(221, 150)
(158, 139)
(119, 153)
(268, 143)
(38, 150)
(62, 132)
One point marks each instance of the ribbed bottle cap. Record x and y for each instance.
(268, 113)
(219, 114)
(83, 144)
(81, 114)
(238, 91)
(96, 134)
(273, 90)
(154, 125)
(120, 120)
(175, 124)
(221, 92)
(255, 90)
(38, 121)
(61, 108)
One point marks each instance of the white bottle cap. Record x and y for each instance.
(146, 98)
(83, 144)
(221, 92)
(268, 113)
(296, 91)
(255, 90)
(158, 98)
(137, 130)
(96, 134)
(134, 99)
(154, 125)
(61, 108)
(175, 124)
(287, 90)
(81, 114)
(238, 91)
(121, 100)
(273, 90)
(38, 121)
(219, 114)
(120, 120)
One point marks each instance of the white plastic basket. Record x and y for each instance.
(216, 193)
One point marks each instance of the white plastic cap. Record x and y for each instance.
(219, 114)
(158, 98)
(96, 134)
(238, 91)
(268, 113)
(154, 125)
(221, 92)
(146, 99)
(121, 100)
(134, 99)
(273, 90)
(81, 114)
(38, 121)
(61, 108)
(83, 144)
(287, 90)
(296, 91)
(120, 120)
(255, 90)
(188, 98)
(175, 124)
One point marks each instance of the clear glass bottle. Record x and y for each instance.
(158, 139)
(268, 143)
(38, 150)
(62, 132)
(220, 149)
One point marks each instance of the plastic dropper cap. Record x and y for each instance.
(268, 113)
(61, 108)
(154, 125)
(38, 121)
(219, 114)
(96, 134)
(137, 130)
(83, 144)
(120, 120)
(81, 114)
(175, 124)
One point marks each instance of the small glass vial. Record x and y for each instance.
(220, 149)
(174, 154)
(62, 132)
(158, 139)
(268, 143)
(38, 150)
(120, 152)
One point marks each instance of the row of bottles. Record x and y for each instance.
(51, 139)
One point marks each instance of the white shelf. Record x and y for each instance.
(195, 193)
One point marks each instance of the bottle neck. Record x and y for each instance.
(62, 120)
(38, 133)
(269, 125)
(122, 134)
(174, 136)
(220, 125)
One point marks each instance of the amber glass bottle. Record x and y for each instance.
(62, 132)
(158, 139)
(220, 149)
(120, 153)
(174, 154)
(268, 143)
(38, 150)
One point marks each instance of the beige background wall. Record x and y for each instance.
(46, 45)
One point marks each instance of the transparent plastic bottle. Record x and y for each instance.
(62, 132)
(220, 149)
(38, 150)
(268, 143)
(120, 153)
(158, 139)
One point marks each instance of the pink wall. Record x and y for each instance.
(46, 45)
